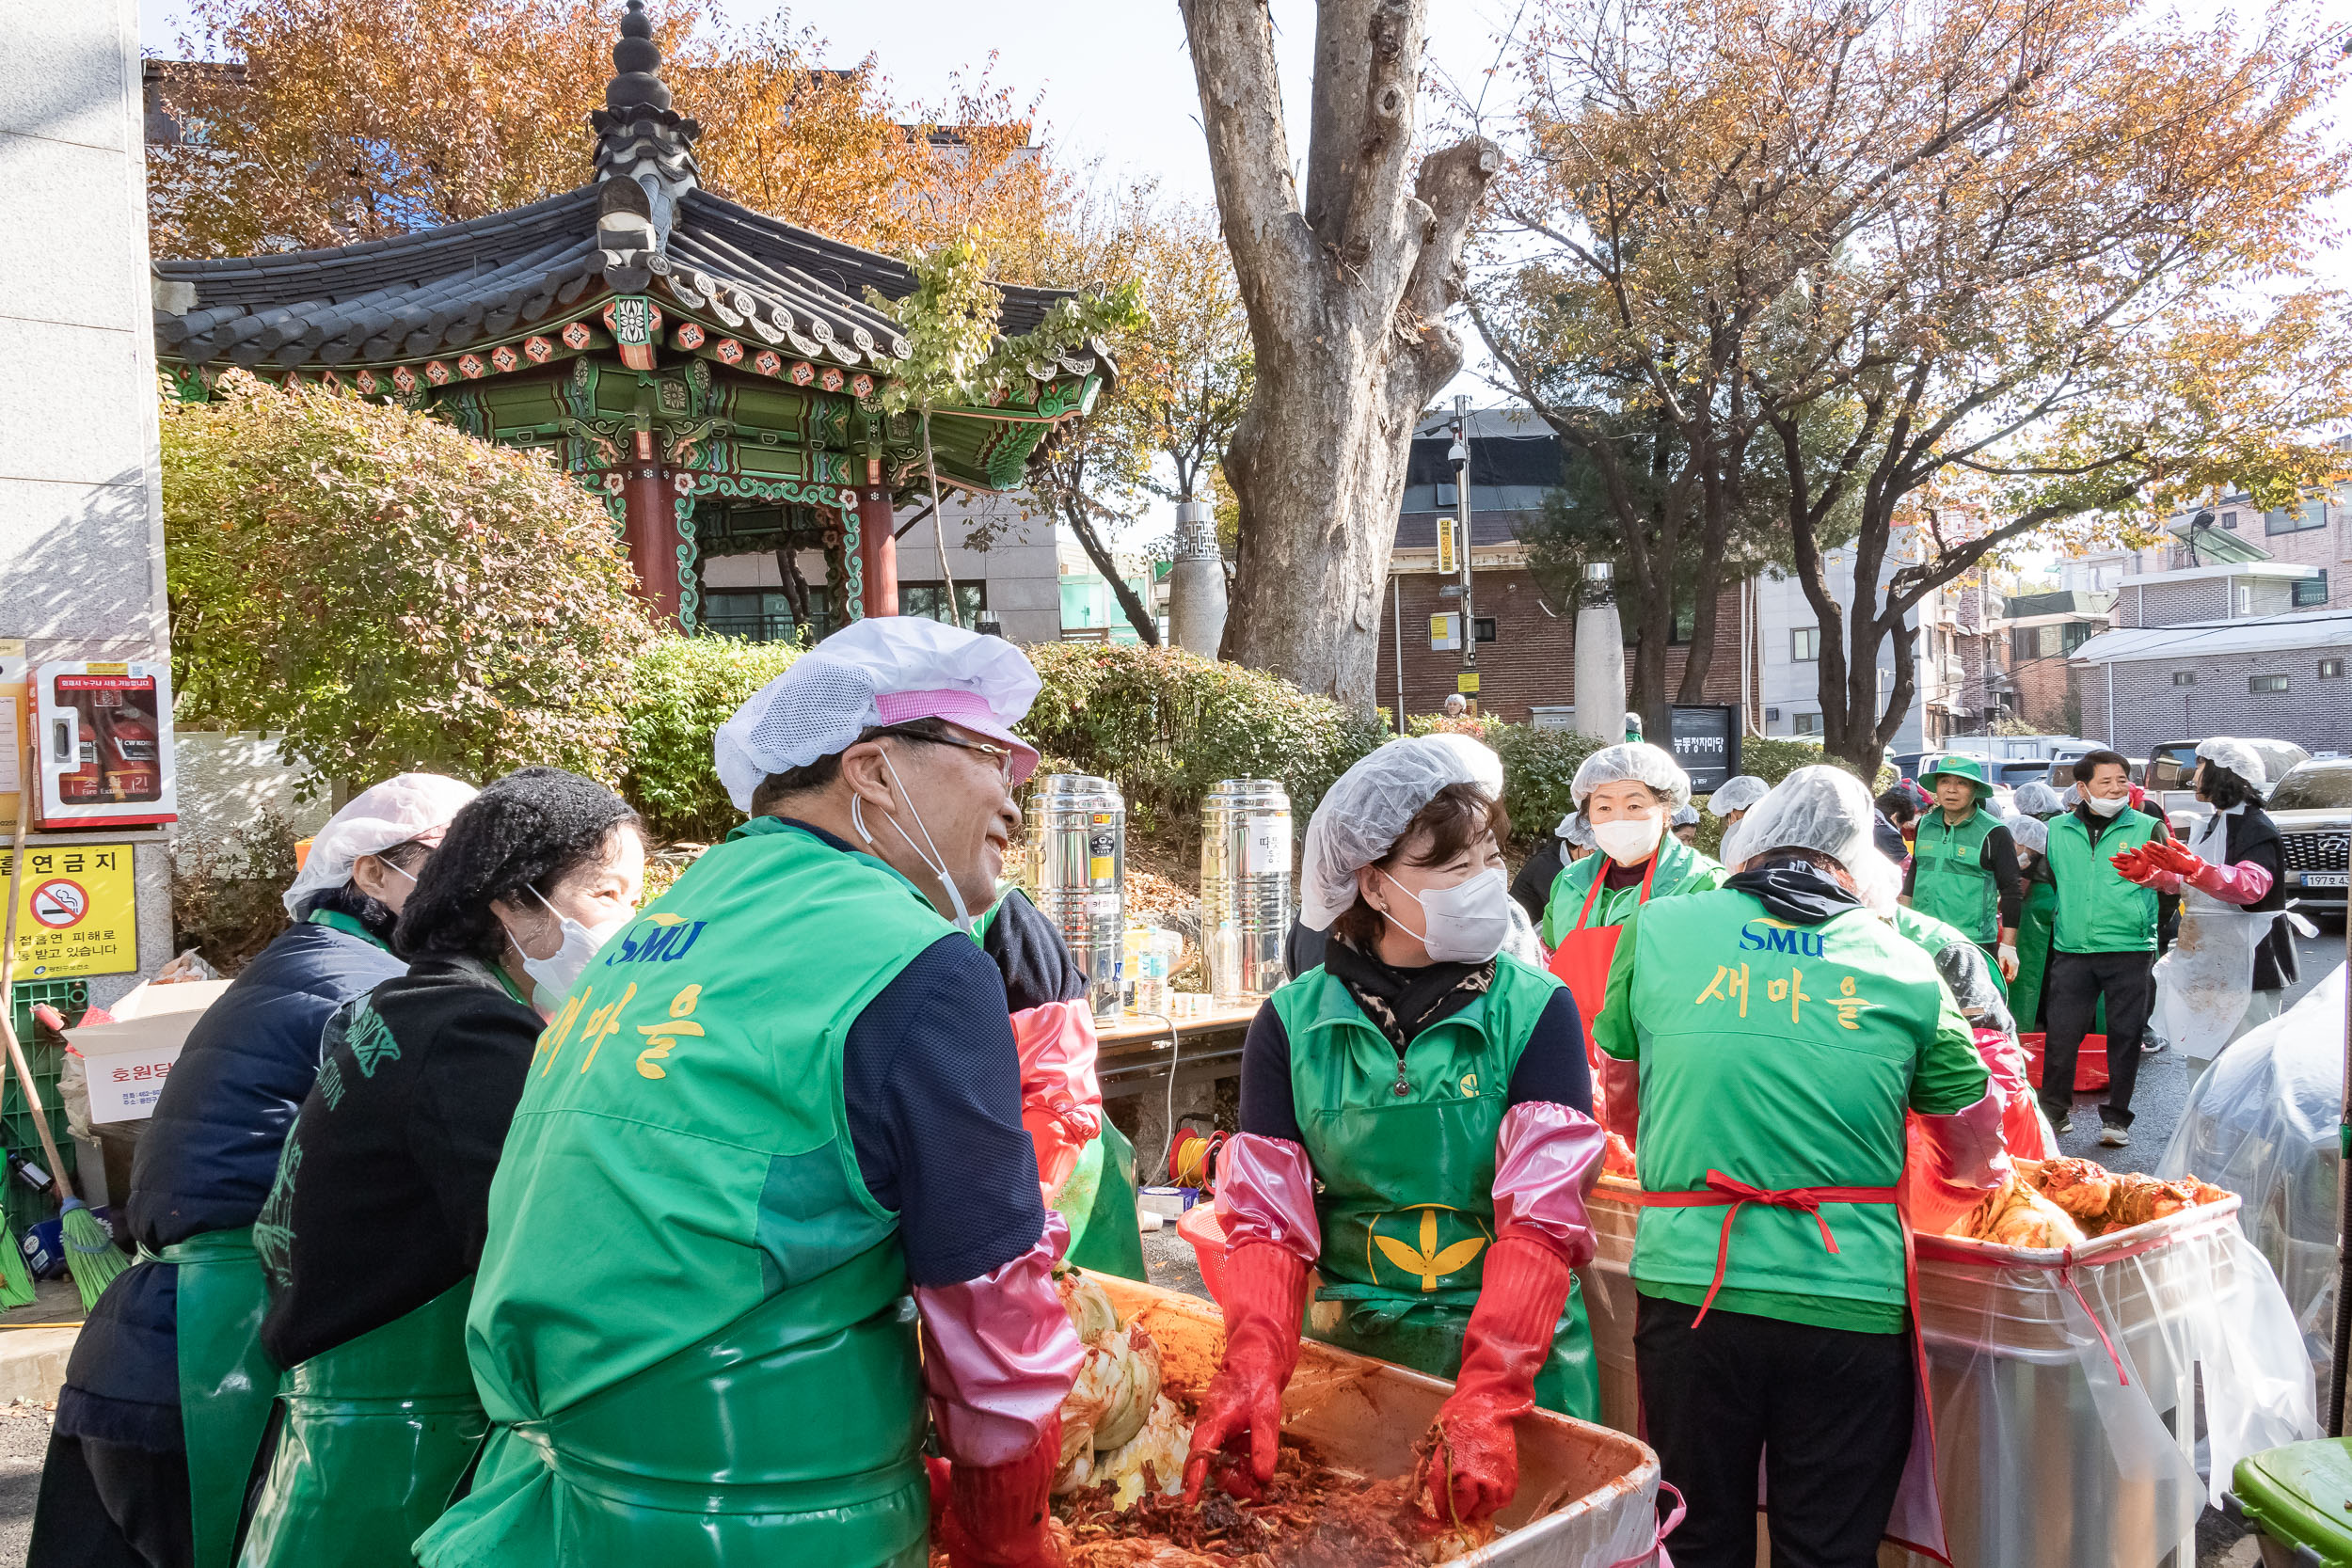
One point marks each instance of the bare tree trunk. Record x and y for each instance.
(1139, 613)
(795, 585)
(1347, 297)
(939, 527)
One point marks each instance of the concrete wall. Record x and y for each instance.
(81, 517)
(227, 782)
(2150, 708)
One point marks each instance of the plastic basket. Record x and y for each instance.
(23, 1207)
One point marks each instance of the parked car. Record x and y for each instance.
(2171, 774)
(2312, 807)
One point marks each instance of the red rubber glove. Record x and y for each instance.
(2165, 855)
(2134, 866)
(996, 1517)
(1473, 1466)
(1264, 1293)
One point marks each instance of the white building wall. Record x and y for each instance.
(1792, 688)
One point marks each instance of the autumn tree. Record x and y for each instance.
(1347, 293)
(2041, 261)
(388, 593)
(323, 123)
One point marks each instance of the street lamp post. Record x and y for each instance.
(1459, 456)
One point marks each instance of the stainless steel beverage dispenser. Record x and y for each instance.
(1077, 867)
(1245, 887)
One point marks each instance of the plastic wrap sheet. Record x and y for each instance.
(2066, 1388)
(2261, 1122)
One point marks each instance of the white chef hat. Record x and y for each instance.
(1822, 808)
(2239, 758)
(882, 669)
(1638, 760)
(1736, 794)
(1366, 811)
(404, 807)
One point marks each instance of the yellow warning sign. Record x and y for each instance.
(1467, 683)
(77, 911)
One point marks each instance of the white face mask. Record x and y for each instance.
(552, 978)
(1630, 840)
(925, 851)
(2107, 805)
(1465, 922)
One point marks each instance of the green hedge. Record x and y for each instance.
(1538, 767)
(1165, 725)
(681, 690)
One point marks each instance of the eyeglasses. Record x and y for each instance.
(1002, 754)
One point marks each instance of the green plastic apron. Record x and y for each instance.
(1404, 1156)
(371, 1435)
(1099, 1202)
(226, 1380)
(783, 1438)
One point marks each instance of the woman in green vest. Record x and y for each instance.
(1628, 795)
(767, 1186)
(1964, 863)
(372, 1229)
(2037, 804)
(1416, 1131)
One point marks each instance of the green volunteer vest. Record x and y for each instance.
(2098, 912)
(1680, 869)
(1950, 880)
(1782, 1057)
(1403, 1158)
(692, 1324)
(371, 1435)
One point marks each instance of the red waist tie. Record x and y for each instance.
(1722, 1189)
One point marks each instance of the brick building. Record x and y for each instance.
(2276, 675)
(1527, 640)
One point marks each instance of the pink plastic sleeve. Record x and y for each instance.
(1957, 1160)
(2166, 882)
(1621, 1096)
(1265, 1191)
(1056, 1045)
(1547, 1158)
(2242, 883)
(999, 1355)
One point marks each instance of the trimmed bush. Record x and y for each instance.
(1165, 725)
(681, 690)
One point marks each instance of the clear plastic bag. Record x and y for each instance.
(2262, 1124)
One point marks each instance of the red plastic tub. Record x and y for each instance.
(2090, 1063)
(1198, 1226)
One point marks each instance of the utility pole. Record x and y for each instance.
(1467, 685)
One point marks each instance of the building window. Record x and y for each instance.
(2311, 591)
(928, 600)
(2183, 677)
(1484, 627)
(2295, 519)
(2332, 669)
(2266, 683)
(1804, 647)
(1804, 723)
(1449, 497)
(2229, 520)
(763, 615)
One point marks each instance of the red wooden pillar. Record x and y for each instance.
(650, 533)
(877, 543)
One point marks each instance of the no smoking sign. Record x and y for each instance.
(60, 903)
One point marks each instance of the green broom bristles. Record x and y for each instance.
(16, 1280)
(89, 1252)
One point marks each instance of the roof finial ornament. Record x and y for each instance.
(642, 142)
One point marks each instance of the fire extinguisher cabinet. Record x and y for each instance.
(101, 744)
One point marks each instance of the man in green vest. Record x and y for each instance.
(1964, 863)
(2103, 942)
(1778, 1032)
(778, 1104)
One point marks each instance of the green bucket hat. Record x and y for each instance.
(1971, 769)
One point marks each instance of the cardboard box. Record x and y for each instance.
(126, 1061)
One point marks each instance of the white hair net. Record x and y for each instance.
(1484, 768)
(2036, 799)
(2072, 797)
(844, 687)
(1684, 817)
(1365, 812)
(1733, 850)
(1574, 829)
(1638, 761)
(1737, 795)
(378, 817)
(2031, 832)
(2239, 758)
(1819, 808)
(1877, 882)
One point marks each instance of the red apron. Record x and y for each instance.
(1918, 1521)
(1585, 955)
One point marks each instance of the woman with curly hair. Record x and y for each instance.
(376, 1223)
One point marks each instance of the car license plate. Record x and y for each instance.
(2326, 878)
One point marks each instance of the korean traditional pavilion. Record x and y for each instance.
(711, 370)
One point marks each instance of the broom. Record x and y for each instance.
(89, 1250)
(16, 1275)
